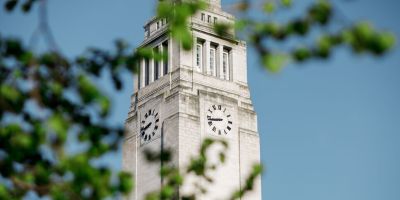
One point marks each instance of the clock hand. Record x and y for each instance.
(146, 127)
(215, 119)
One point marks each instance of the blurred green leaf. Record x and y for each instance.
(269, 7)
(59, 125)
(286, 3)
(125, 182)
(275, 62)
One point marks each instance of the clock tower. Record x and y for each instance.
(197, 94)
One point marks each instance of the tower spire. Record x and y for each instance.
(216, 3)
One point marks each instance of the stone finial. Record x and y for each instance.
(216, 3)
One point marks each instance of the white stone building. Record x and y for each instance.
(197, 94)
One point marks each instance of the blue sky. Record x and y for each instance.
(329, 130)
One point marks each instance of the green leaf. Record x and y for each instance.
(167, 192)
(240, 24)
(269, 7)
(59, 125)
(301, 54)
(87, 89)
(4, 192)
(105, 105)
(125, 182)
(222, 29)
(275, 62)
(364, 31)
(286, 3)
(387, 40)
(324, 46)
(23, 141)
(9, 93)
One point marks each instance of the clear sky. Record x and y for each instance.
(329, 130)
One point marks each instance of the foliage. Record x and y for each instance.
(320, 17)
(44, 98)
(47, 98)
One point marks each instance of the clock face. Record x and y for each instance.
(219, 120)
(149, 125)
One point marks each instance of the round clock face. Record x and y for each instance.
(219, 120)
(149, 125)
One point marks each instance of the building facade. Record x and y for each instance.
(197, 94)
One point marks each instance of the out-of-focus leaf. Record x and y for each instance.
(125, 182)
(10, 5)
(59, 125)
(286, 3)
(222, 29)
(275, 62)
(269, 7)
(302, 54)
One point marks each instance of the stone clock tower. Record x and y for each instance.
(197, 94)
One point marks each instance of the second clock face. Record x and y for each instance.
(219, 120)
(149, 125)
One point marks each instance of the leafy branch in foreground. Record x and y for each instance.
(200, 167)
(46, 99)
(263, 33)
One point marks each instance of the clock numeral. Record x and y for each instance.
(215, 107)
(210, 123)
(225, 132)
(208, 117)
(157, 120)
(219, 132)
(209, 110)
(229, 122)
(224, 110)
(156, 115)
(149, 113)
(228, 116)
(154, 133)
(228, 127)
(219, 107)
(156, 127)
(146, 115)
(214, 129)
(143, 122)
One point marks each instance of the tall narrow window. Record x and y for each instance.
(203, 17)
(209, 19)
(212, 66)
(158, 25)
(156, 65)
(147, 32)
(146, 72)
(199, 57)
(140, 77)
(225, 65)
(215, 20)
(165, 53)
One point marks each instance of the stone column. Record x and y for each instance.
(142, 73)
(220, 59)
(207, 57)
(170, 55)
(161, 63)
(151, 72)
